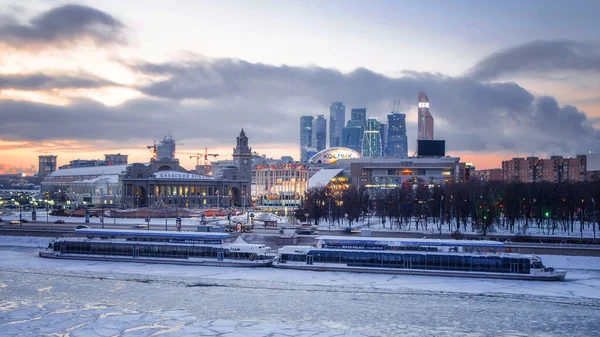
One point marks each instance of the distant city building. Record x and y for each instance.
(397, 144)
(319, 133)
(47, 165)
(383, 133)
(76, 163)
(487, 175)
(306, 127)
(166, 148)
(116, 159)
(371, 142)
(351, 138)
(358, 115)
(358, 119)
(555, 170)
(425, 118)
(287, 159)
(337, 120)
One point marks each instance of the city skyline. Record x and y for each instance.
(79, 81)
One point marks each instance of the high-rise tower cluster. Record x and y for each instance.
(363, 134)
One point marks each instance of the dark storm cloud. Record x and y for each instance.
(62, 26)
(207, 102)
(470, 114)
(46, 81)
(540, 57)
(136, 120)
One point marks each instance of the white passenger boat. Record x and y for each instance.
(487, 259)
(190, 248)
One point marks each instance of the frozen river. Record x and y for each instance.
(45, 297)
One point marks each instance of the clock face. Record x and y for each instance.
(245, 161)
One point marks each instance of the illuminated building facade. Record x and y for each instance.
(371, 142)
(386, 173)
(280, 185)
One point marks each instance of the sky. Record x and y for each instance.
(505, 79)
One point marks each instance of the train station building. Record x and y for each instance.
(159, 183)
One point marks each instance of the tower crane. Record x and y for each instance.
(206, 154)
(153, 148)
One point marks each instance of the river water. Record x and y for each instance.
(41, 297)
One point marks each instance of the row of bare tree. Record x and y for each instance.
(476, 206)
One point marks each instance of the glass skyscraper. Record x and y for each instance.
(351, 138)
(319, 134)
(397, 144)
(337, 120)
(306, 127)
(371, 142)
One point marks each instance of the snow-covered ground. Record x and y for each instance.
(370, 223)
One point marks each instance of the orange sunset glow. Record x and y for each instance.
(113, 82)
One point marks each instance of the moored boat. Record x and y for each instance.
(189, 248)
(459, 258)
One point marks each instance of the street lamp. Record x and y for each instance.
(594, 217)
(20, 213)
(441, 218)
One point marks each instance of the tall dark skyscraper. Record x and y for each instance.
(306, 127)
(425, 118)
(337, 120)
(397, 144)
(319, 133)
(358, 116)
(383, 133)
(351, 138)
(358, 119)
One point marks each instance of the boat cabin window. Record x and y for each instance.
(537, 265)
(51, 245)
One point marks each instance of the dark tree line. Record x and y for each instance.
(476, 206)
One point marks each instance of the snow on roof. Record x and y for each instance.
(323, 177)
(89, 171)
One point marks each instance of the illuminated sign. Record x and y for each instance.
(179, 175)
(334, 154)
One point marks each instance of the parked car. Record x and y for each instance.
(59, 221)
(24, 220)
(306, 228)
(80, 226)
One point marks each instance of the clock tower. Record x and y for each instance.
(242, 158)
